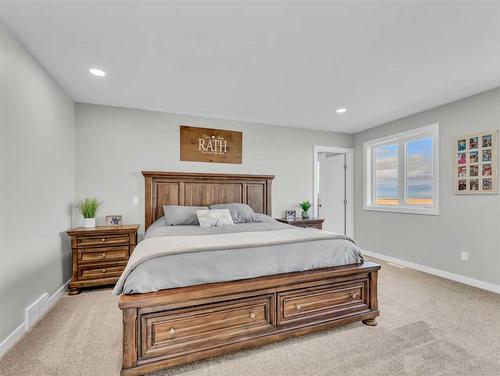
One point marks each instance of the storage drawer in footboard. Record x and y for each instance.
(322, 302)
(182, 331)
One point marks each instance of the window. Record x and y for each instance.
(401, 172)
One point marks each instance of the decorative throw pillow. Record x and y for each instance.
(204, 218)
(214, 217)
(241, 213)
(222, 217)
(181, 215)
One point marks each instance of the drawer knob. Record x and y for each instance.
(172, 331)
(354, 296)
(104, 270)
(298, 306)
(103, 239)
(104, 255)
(252, 315)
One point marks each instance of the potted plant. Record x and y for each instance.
(89, 208)
(305, 206)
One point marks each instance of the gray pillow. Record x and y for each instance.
(176, 215)
(241, 213)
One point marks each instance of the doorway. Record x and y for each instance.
(334, 188)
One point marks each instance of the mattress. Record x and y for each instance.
(220, 265)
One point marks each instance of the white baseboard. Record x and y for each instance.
(33, 313)
(12, 339)
(437, 272)
(56, 296)
(36, 311)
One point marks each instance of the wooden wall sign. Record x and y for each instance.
(210, 145)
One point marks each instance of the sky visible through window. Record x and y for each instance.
(386, 175)
(419, 173)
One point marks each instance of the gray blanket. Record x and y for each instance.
(267, 223)
(177, 256)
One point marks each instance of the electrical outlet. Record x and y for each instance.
(464, 256)
(135, 201)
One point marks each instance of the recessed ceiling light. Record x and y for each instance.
(341, 110)
(97, 72)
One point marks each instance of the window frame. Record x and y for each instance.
(401, 139)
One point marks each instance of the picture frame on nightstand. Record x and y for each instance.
(114, 220)
(290, 214)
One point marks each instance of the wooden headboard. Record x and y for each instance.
(186, 188)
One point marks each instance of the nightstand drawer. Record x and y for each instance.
(303, 226)
(314, 225)
(95, 272)
(93, 255)
(84, 241)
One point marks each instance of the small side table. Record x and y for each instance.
(299, 222)
(100, 254)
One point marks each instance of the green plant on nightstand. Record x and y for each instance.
(305, 206)
(88, 208)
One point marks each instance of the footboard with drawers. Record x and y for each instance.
(171, 327)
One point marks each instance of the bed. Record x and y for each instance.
(192, 293)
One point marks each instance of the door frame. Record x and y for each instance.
(349, 153)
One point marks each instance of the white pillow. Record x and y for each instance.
(214, 217)
(204, 218)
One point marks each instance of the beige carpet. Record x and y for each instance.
(429, 326)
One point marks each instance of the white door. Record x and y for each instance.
(332, 191)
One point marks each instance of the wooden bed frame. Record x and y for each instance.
(176, 326)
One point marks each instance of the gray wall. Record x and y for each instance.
(469, 222)
(37, 182)
(113, 146)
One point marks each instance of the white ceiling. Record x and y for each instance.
(273, 62)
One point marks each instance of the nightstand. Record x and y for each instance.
(100, 254)
(307, 223)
